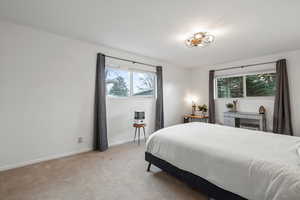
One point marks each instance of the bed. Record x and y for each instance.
(229, 163)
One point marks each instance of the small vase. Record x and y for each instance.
(235, 105)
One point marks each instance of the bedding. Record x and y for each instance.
(255, 165)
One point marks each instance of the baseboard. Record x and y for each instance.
(30, 162)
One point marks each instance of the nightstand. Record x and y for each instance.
(195, 118)
(137, 128)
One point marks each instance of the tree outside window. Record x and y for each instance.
(261, 85)
(231, 87)
(123, 83)
(117, 82)
(256, 85)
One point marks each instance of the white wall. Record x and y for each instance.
(200, 88)
(120, 110)
(47, 96)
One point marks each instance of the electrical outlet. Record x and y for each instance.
(80, 139)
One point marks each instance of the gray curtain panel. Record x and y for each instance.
(159, 115)
(282, 122)
(100, 128)
(211, 108)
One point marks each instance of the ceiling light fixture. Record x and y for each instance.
(200, 39)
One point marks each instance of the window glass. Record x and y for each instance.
(143, 83)
(230, 87)
(261, 85)
(117, 82)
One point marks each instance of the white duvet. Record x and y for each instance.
(253, 164)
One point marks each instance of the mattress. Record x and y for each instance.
(255, 165)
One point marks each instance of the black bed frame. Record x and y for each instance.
(192, 180)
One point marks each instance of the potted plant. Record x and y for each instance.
(203, 109)
(230, 107)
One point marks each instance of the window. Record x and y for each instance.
(231, 87)
(124, 83)
(261, 85)
(143, 84)
(251, 85)
(117, 82)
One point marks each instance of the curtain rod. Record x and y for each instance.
(241, 67)
(132, 61)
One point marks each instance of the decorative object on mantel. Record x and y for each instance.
(229, 106)
(203, 108)
(201, 39)
(262, 110)
(193, 108)
(232, 107)
(235, 105)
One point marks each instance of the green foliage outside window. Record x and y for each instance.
(257, 85)
(231, 87)
(261, 85)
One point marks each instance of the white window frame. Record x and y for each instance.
(244, 85)
(130, 96)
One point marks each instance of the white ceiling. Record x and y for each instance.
(157, 29)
